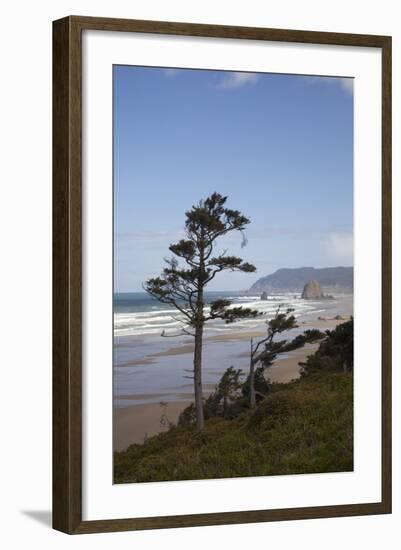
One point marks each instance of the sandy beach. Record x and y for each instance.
(139, 414)
(133, 424)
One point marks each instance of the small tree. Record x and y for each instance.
(183, 287)
(265, 351)
(227, 391)
(335, 353)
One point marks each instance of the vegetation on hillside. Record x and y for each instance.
(305, 426)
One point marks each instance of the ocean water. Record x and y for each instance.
(137, 313)
(144, 373)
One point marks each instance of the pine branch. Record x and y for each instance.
(222, 263)
(237, 313)
(182, 286)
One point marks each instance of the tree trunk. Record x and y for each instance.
(199, 322)
(252, 394)
(198, 378)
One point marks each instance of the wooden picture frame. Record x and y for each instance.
(67, 273)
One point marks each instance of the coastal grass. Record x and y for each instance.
(302, 427)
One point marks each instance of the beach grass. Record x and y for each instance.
(302, 427)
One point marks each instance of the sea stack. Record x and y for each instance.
(263, 296)
(312, 291)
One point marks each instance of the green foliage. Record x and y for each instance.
(261, 382)
(302, 427)
(305, 426)
(219, 309)
(213, 218)
(335, 353)
(227, 392)
(182, 285)
(281, 321)
(224, 401)
(308, 337)
(234, 313)
(187, 416)
(266, 350)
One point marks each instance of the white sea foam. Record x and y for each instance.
(155, 321)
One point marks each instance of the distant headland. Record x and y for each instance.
(332, 279)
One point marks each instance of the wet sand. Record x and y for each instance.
(286, 369)
(321, 324)
(133, 424)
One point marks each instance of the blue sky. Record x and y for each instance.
(280, 147)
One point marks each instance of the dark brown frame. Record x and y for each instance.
(67, 275)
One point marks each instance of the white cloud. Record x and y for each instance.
(347, 84)
(170, 72)
(340, 247)
(237, 80)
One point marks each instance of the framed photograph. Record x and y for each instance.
(222, 275)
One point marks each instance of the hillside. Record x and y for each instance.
(301, 427)
(333, 279)
(305, 426)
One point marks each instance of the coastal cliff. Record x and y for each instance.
(332, 279)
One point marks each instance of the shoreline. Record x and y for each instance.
(134, 422)
(183, 349)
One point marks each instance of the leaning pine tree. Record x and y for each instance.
(182, 285)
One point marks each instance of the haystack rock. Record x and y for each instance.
(312, 291)
(263, 296)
